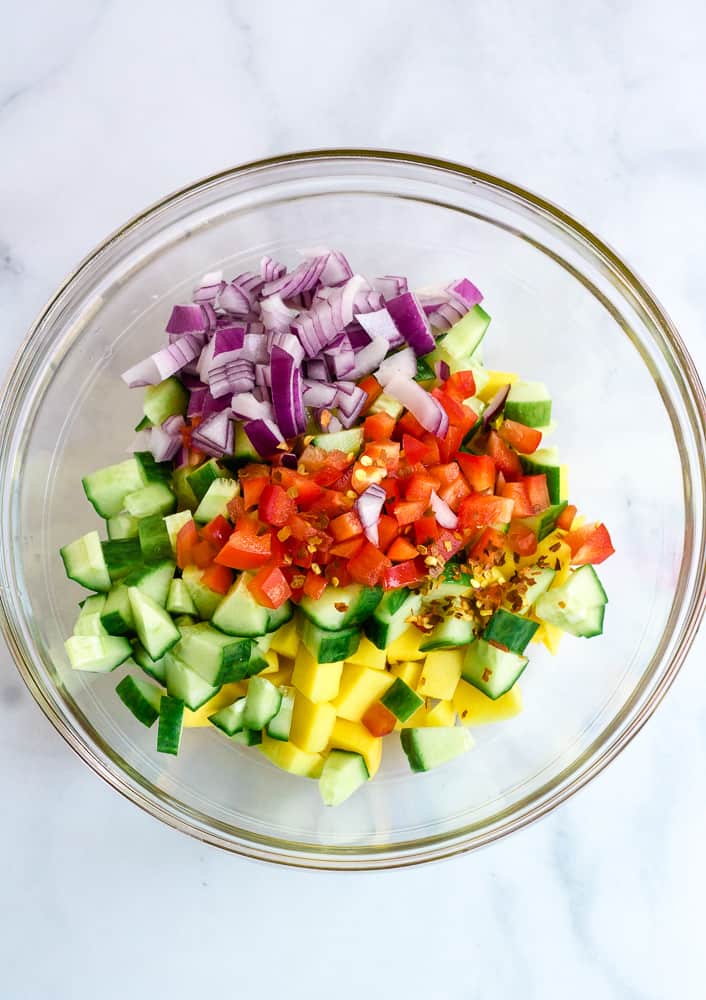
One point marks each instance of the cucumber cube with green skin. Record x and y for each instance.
(155, 543)
(578, 606)
(387, 404)
(179, 600)
(248, 737)
(539, 580)
(342, 774)
(89, 619)
(141, 698)
(543, 524)
(84, 562)
(116, 616)
(238, 613)
(155, 628)
(153, 472)
(107, 488)
(432, 746)
(171, 719)
(350, 441)
(154, 580)
(329, 647)
(165, 400)
(262, 703)
(153, 668)
(143, 425)
(464, 336)
(389, 620)
(230, 718)
(122, 526)
(243, 450)
(121, 556)
(97, 653)
(156, 498)
(201, 478)
(493, 671)
(183, 492)
(279, 726)
(174, 523)
(186, 684)
(510, 630)
(341, 607)
(216, 499)
(277, 617)
(545, 461)
(401, 700)
(529, 403)
(425, 373)
(205, 599)
(214, 656)
(448, 633)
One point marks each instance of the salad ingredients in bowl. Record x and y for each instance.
(338, 526)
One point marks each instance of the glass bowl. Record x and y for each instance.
(566, 310)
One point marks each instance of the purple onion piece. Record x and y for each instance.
(495, 406)
(368, 507)
(442, 512)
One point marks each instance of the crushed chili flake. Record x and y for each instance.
(341, 606)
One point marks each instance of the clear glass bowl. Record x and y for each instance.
(565, 310)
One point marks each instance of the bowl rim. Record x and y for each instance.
(448, 845)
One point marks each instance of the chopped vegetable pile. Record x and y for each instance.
(340, 524)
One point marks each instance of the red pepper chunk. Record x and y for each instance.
(409, 511)
(426, 530)
(520, 437)
(378, 720)
(345, 526)
(460, 386)
(506, 460)
(244, 550)
(368, 565)
(589, 544)
(378, 427)
(404, 574)
(276, 506)
(269, 587)
(217, 531)
(522, 540)
(203, 553)
(480, 510)
(401, 550)
(479, 470)
(187, 539)
(537, 492)
(217, 578)
(488, 547)
(566, 518)
(253, 487)
(517, 492)
(314, 585)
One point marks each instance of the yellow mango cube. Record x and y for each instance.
(272, 661)
(283, 675)
(418, 719)
(548, 635)
(286, 639)
(316, 681)
(289, 757)
(354, 736)
(368, 655)
(441, 673)
(475, 708)
(406, 647)
(226, 696)
(496, 380)
(410, 672)
(442, 714)
(360, 687)
(312, 724)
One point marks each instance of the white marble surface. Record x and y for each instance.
(103, 108)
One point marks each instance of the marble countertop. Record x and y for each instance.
(103, 108)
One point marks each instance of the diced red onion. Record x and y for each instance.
(163, 446)
(212, 405)
(368, 507)
(302, 279)
(299, 409)
(206, 359)
(264, 435)
(234, 300)
(173, 425)
(250, 283)
(319, 394)
(442, 370)
(196, 402)
(348, 403)
(329, 424)
(160, 366)
(233, 376)
(380, 324)
(209, 291)
(421, 404)
(255, 348)
(275, 314)
(214, 436)
(271, 270)
(390, 285)
(357, 337)
(466, 291)
(316, 369)
(262, 375)
(404, 362)
(246, 407)
(282, 366)
(192, 318)
(143, 373)
(341, 363)
(288, 459)
(442, 512)
(495, 406)
(411, 321)
(368, 358)
(336, 270)
(289, 343)
(228, 340)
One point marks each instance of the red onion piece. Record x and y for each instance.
(421, 404)
(495, 406)
(404, 362)
(214, 435)
(192, 318)
(264, 436)
(411, 321)
(368, 507)
(442, 512)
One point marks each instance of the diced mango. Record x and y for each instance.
(368, 655)
(409, 671)
(563, 482)
(442, 714)
(475, 709)
(292, 758)
(226, 696)
(286, 639)
(418, 719)
(283, 675)
(360, 687)
(548, 635)
(317, 681)
(354, 736)
(272, 662)
(441, 673)
(496, 380)
(406, 647)
(312, 724)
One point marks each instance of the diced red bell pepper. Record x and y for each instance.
(372, 387)
(404, 574)
(451, 442)
(455, 493)
(385, 453)
(479, 470)
(537, 492)
(415, 451)
(276, 506)
(566, 518)
(388, 530)
(300, 528)
(409, 511)
(460, 385)
(488, 547)
(517, 492)
(419, 486)
(408, 424)
(217, 578)
(252, 490)
(337, 573)
(236, 508)
(302, 489)
(378, 427)
(480, 510)
(447, 473)
(349, 548)
(499, 484)
(365, 475)
(345, 526)
(522, 540)
(203, 553)
(401, 550)
(378, 720)
(331, 503)
(269, 587)
(217, 531)
(520, 437)
(314, 585)
(244, 550)
(368, 565)
(391, 487)
(453, 407)
(589, 544)
(426, 530)
(506, 460)
(343, 483)
(337, 465)
(187, 539)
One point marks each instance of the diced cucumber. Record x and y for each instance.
(155, 542)
(280, 724)
(122, 556)
(389, 620)
(174, 523)
(205, 599)
(546, 460)
(107, 488)
(164, 400)
(154, 668)
(451, 583)
(181, 621)
(186, 684)
(201, 478)
(216, 657)
(262, 703)
(179, 600)
(431, 746)
(116, 616)
(153, 472)
(153, 580)
(578, 606)
(350, 441)
(450, 632)
(543, 524)
(89, 619)
(329, 647)
(230, 718)
(528, 403)
(387, 404)
(464, 337)
(84, 562)
(216, 499)
(156, 498)
(510, 630)
(342, 607)
(97, 653)
(141, 698)
(155, 628)
(248, 737)
(493, 671)
(277, 617)
(184, 494)
(401, 700)
(122, 526)
(425, 373)
(143, 425)
(238, 613)
(342, 774)
(541, 581)
(171, 719)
